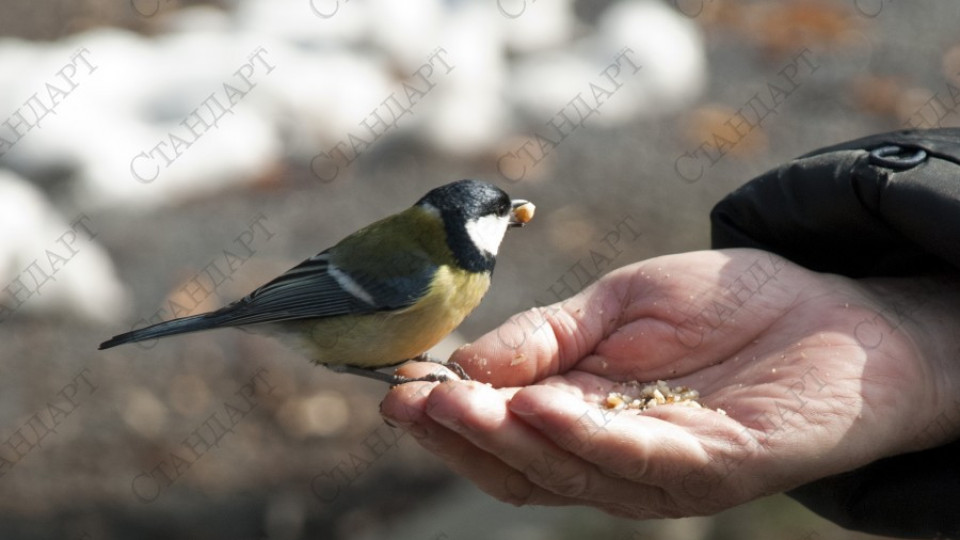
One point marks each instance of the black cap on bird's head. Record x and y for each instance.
(468, 199)
(475, 215)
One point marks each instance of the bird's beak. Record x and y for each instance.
(522, 212)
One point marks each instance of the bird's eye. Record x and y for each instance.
(504, 209)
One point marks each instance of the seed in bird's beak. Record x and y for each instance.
(522, 212)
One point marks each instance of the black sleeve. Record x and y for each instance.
(885, 205)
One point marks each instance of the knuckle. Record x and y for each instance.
(516, 490)
(574, 486)
(564, 479)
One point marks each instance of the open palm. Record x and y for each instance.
(816, 374)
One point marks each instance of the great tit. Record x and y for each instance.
(383, 295)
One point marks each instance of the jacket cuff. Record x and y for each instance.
(882, 205)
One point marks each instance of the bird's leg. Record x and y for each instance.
(452, 366)
(393, 379)
(390, 378)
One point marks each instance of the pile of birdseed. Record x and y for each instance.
(641, 397)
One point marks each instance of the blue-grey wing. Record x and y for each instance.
(316, 288)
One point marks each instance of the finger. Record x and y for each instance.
(405, 406)
(485, 470)
(479, 414)
(692, 310)
(657, 319)
(544, 341)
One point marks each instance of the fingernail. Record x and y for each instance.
(521, 407)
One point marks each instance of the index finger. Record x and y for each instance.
(659, 318)
(544, 341)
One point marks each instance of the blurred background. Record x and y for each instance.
(163, 157)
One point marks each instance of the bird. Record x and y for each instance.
(383, 295)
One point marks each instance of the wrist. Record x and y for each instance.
(926, 310)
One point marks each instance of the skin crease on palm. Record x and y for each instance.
(817, 374)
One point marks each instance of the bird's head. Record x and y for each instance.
(476, 215)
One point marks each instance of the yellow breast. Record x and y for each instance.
(388, 338)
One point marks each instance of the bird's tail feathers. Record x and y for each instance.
(184, 325)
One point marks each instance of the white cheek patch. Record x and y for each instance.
(487, 232)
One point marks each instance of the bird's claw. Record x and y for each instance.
(394, 380)
(452, 366)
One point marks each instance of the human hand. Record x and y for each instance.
(817, 374)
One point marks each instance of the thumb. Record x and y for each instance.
(545, 341)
